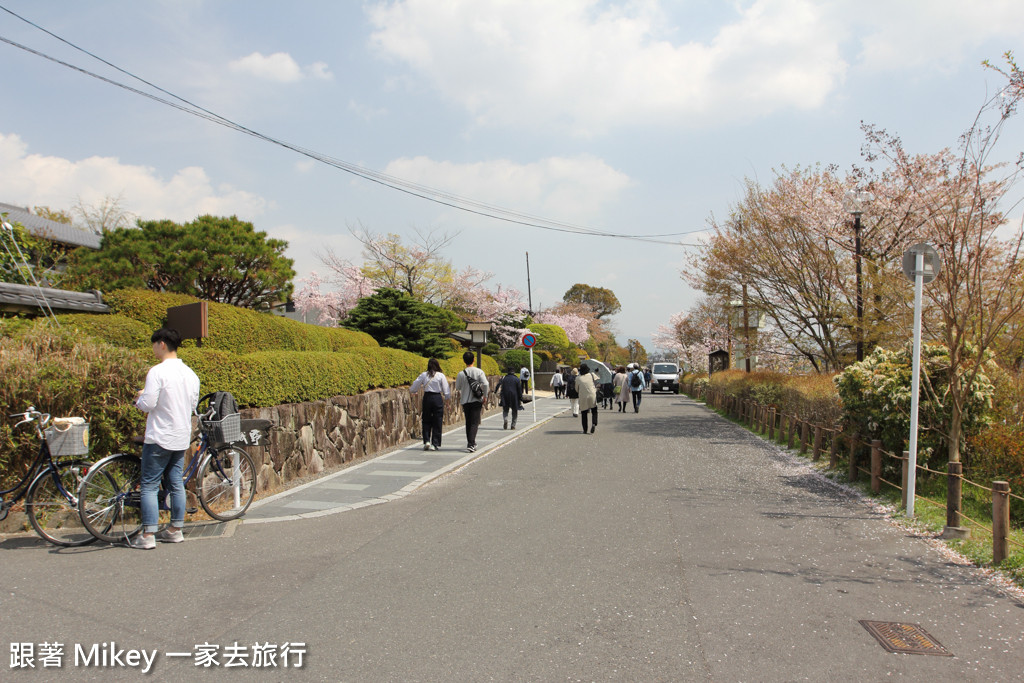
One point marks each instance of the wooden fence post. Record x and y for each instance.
(1000, 520)
(833, 450)
(792, 427)
(771, 424)
(876, 466)
(905, 473)
(853, 457)
(804, 436)
(954, 493)
(816, 453)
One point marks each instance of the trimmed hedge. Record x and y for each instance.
(269, 378)
(117, 330)
(239, 330)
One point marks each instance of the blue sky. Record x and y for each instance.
(634, 118)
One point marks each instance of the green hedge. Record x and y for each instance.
(118, 330)
(269, 378)
(239, 330)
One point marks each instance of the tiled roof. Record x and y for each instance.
(24, 298)
(51, 230)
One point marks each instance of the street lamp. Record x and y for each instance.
(478, 336)
(855, 202)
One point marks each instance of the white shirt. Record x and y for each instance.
(170, 397)
(437, 384)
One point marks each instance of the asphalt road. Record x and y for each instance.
(668, 546)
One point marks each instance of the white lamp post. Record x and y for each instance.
(855, 202)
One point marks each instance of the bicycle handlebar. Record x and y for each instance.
(32, 415)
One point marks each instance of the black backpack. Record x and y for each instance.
(636, 381)
(222, 404)
(476, 387)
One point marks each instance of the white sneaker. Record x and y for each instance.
(143, 542)
(433, 447)
(426, 447)
(168, 536)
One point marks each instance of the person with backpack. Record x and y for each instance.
(168, 399)
(435, 391)
(524, 377)
(572, 393)
(472, 386)
(510, 389)
(557, 383)
(636, 386)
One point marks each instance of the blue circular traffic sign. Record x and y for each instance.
(529, 340)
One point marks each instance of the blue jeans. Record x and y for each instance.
(160, 464)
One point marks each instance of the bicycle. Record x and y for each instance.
(50, 499)
(110, 503)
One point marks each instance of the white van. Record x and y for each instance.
(665, 376)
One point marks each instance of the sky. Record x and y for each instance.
(629, 118)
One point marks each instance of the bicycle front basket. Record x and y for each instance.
(226, 430)
(68, 438)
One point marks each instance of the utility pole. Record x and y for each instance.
(529, 294)
(860, 290)
(746, 328)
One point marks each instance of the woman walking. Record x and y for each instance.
(435, 391)
(572, 393)
(587, 388)
(557, 383)
(620, 381)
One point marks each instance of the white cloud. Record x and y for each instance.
(33, 179)
(563, 188)
(583, 65)
(279, 67)
(933, 33)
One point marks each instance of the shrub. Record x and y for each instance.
(876, 395)
(117, 330)
(997, 454)
(515, 359)
(239, 330)
(64, 374)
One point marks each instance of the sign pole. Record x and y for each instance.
(915, 382)
(533, 388)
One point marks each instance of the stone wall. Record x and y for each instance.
(306, 438)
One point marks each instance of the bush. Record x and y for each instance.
(239, 330)
(997, 454)
(876, 395)
(515, 359)
(117, 330)
(269, 378)
(63, 374)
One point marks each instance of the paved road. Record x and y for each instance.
(668, 546)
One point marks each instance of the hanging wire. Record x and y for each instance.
(408, 187)
(41, 299)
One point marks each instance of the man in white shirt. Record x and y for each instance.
(169, 398)
(472, 406)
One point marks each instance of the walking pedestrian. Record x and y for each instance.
(636, 387)
(524, 377)
(435, 391)
(169, 399)
(557, 383)
(510, 391)
(607, 392)
(622, 380)
(587, 388)
(472, 402)
(572, 393)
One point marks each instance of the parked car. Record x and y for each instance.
(665, 377)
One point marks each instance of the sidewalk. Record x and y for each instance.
(398, 473)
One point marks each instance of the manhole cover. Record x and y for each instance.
(905, 638)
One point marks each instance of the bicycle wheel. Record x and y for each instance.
(227, 483)
(52, 506)
(108, 501)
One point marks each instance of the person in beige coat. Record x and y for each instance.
(587, 389)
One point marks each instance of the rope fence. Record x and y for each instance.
(794, 432)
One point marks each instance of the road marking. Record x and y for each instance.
(398, 473)
(345, 487)
(313, 504)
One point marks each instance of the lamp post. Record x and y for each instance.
(855, 202)
(478, 337)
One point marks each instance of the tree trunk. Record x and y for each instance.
(954, 490)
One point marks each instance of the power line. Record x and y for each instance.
(408, 187)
